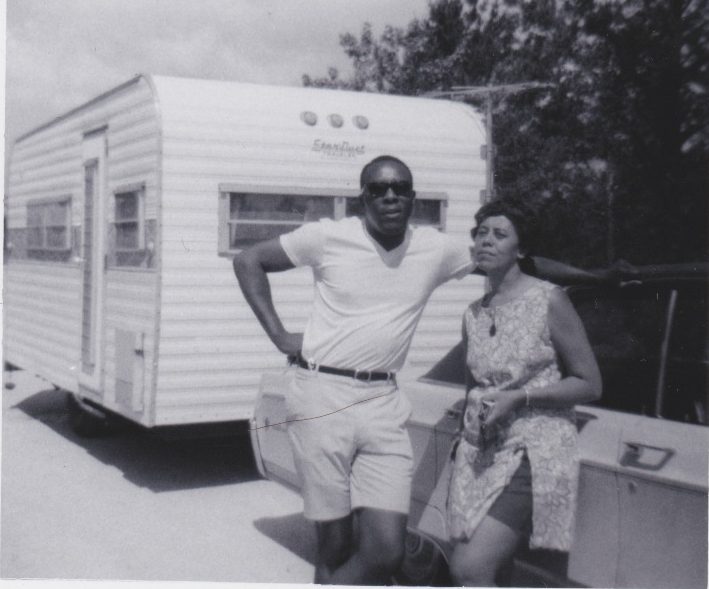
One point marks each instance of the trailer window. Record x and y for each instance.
(48, 229)
(129, 228)
(258, 217)
(128, 221)
(427, 211)
(250, 214)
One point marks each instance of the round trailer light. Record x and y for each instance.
(308, 117)
(361, 122)
(336, 120)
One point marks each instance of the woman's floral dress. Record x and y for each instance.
(520, 354)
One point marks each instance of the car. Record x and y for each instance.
(641, 518)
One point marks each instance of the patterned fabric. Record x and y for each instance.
(520, 354)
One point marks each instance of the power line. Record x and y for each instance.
(465, 91)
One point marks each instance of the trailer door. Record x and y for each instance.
(93, 262)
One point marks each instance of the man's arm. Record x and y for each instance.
(251, 267)
(564, 274)
(617, 273)
(561, 273)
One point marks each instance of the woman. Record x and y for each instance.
(529, 361)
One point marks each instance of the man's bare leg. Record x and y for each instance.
(336, 544)
(374, 555)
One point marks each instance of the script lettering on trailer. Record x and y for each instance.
(342, 149)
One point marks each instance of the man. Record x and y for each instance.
(347, 418)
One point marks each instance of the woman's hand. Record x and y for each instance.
(503, 404)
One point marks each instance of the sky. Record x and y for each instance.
(62, 53)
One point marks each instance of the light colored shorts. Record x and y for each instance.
(350, 444)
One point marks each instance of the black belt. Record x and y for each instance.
(366, 375)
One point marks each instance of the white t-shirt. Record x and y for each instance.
(368, 301)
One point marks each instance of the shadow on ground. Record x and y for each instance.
(154, 459)
(293, 532)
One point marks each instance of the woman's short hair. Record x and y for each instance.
(521, 214)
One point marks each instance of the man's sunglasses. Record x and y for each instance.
(379, 189)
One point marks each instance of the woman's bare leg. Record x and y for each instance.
(475, 563)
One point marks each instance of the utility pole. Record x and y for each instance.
(463, 92)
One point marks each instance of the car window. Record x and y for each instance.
(625, 327)
(687, 376)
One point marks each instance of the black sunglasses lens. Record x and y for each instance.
(402, 188)
(379, 189)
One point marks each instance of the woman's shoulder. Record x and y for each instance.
(542, 284)
(540, 297)
(551, 300)
(543, 287)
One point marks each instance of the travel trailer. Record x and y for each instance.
(123, 214)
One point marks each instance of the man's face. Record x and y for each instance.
(388, 198)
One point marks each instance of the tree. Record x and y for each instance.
(615, 152)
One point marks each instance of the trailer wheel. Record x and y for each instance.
(85, 419)
(423, 565)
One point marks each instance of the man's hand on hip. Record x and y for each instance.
(289, 343)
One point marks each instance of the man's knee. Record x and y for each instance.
(380, 560)
(335, 541)
(385, 553)
(334, 555)
(381, 540)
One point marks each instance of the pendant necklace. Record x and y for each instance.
(486, 304)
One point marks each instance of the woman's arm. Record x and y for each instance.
(582, 378)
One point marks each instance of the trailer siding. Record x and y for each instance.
(180, 344)
(43, 313)
(212, 350)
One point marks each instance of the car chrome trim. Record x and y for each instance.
(664, 348)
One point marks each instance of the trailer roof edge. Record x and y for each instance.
(74, 110)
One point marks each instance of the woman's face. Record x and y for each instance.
(496, 244)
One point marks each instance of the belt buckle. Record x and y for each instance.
(358, 375)
(312, 365)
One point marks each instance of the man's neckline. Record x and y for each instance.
(404, 242)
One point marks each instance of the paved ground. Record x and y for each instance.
(135, 506)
